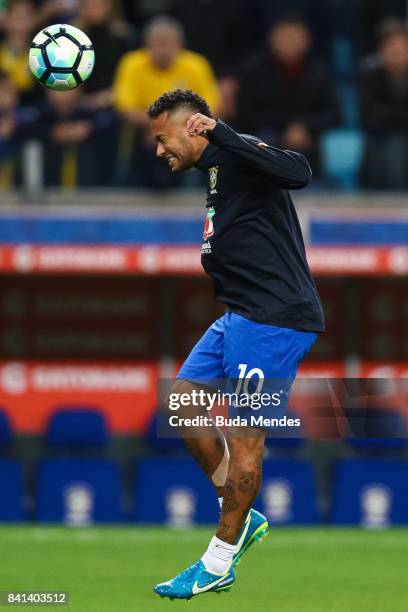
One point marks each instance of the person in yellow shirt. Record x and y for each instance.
(161, 65)
(18, 25)
(142, 75)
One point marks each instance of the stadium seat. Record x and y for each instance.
(377, 445)
(342, 153)
(79, 491)
(12, 493)
(77, 426)
(175, 492)
(378, 430)
(285, 439)
(5, 430)
(288, 494)
(162, 438)
(372, 493)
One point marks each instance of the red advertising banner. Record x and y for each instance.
(384, 369)
(180, 260)
(124, 392)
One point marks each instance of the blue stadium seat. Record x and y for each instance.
(378, 430)
(376, 445)
(162, 438)
(12, 493)
(284, 443)
(79, 491)
(175, 492)
(342, 154)
(77, 426)
(286, 438)
(288, 494)
(5, 429)
(372, 493)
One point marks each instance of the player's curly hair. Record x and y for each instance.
(179, 98)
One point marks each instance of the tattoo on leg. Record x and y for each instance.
(247, 482)
(229, 502)
(223, 530)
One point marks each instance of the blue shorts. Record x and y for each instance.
(236, 350)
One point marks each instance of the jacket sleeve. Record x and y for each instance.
(287, 169)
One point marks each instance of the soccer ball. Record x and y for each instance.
(61, 57)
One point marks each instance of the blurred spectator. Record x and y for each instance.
(15, 126)
(221, 31)
(55, 11)
(102, 21)
(373, 14)
(286, 95)
(224, 32)
(75, 153)
(143, 75)
(8, 106)
(317, 14)
(163, 65)
(18, 29)
(384, 111)
(140, 12)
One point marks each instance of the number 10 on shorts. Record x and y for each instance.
(245, 378)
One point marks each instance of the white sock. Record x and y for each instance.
(220, 502)
(218, 556)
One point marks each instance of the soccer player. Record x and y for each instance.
(254, 252)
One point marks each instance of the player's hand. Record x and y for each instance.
(199, 125)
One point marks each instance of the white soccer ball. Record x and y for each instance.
(61, 57)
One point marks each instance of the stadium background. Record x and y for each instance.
(102, 292)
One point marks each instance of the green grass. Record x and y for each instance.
(304, 570)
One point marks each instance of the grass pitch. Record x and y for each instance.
(293, 570)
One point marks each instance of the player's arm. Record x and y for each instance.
(287, 169)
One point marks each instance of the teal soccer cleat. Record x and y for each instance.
(195, 580)
(255, 529)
